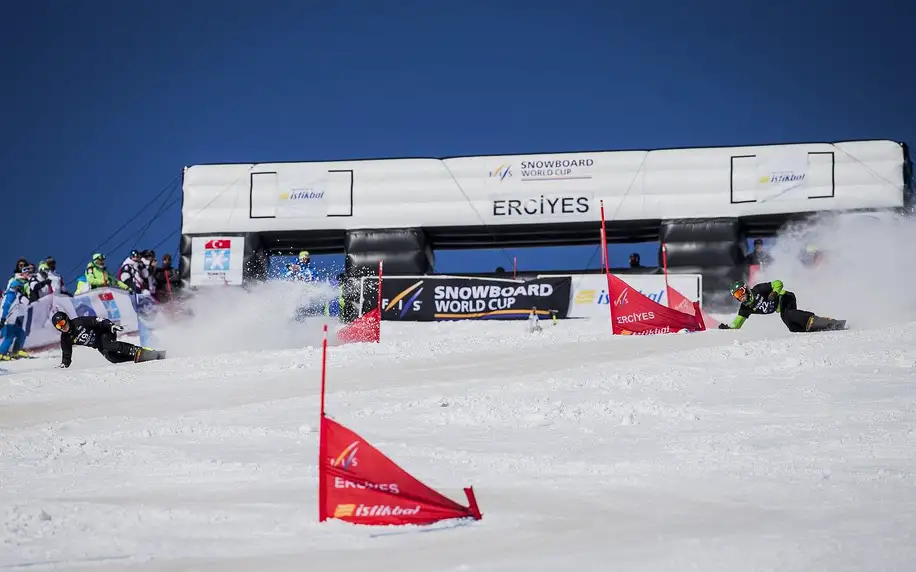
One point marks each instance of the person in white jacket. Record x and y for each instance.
(134, 273)
(48, 268)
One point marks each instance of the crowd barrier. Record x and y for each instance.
(438, 298)
(589, 296)
(134, 312)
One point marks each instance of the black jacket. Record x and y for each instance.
(86, 331)
(167, 281)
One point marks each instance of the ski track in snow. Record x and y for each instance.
(747, 450)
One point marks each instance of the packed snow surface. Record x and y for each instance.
(723, 450)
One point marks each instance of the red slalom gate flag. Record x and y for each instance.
(362, 486)
(357, 483)
(366, 328)
(680, 302)
(635, 314)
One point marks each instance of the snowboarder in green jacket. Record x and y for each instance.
(772, 297)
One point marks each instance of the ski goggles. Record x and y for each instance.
(61, 325)
(740, 294)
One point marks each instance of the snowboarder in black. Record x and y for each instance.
(100, 334)
(772, 297)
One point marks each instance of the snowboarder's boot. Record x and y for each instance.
(822, 324)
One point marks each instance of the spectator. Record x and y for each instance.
(12, 315)
(758, 257)
(39, 284)
(97, 276)
(166, 279)
(634, 260)
(49, 267)
(148, 259)
(134, 273)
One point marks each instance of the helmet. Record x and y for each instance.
(61, 321)
(741, 291)
(304, 255)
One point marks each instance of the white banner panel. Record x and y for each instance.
(110, 303)
(217, 260)
(590, 297)
(543, 188)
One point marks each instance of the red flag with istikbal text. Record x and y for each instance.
(363, 486)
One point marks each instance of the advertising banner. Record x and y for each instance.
(590, 296)
(116, 305)
(217, 260)
(308, 200)
(439, 298)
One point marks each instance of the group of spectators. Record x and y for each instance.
(140, 273)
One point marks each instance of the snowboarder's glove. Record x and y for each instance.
(724, 327)
(117, 328)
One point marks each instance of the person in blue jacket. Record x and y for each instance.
(301, 270)
(15, 305)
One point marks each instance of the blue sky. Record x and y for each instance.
(105, 101)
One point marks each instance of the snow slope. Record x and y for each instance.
(747, 450)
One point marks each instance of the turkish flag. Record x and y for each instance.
(360, 485)
(635, 313)
(218, 244)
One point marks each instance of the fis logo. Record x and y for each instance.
(622, 299)
(406, 300)
(501, 172)
(347, 458)
(216, 255)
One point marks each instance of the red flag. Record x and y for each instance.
(680, 302)
(366, 328)
(635, 313)
(218, 244)
(752, 272)
(359, 484)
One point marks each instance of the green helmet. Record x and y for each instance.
(741, 291)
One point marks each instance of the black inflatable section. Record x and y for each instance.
(714, 248)
(403, 251)
(184, 260)
(256, 261)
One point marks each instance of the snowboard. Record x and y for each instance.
(827, 325)
(147, 354)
